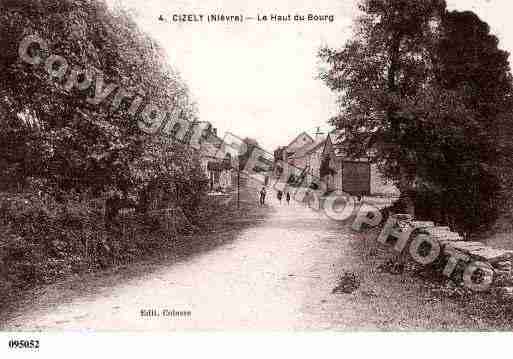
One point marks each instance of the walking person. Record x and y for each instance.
(280, 196)
(288, 198)
(262, 196)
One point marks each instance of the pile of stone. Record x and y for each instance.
(498, 260)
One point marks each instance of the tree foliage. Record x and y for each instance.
(423, 89)
(52, 132)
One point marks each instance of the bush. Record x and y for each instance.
(45, 240)
(467, 207)
(42, 237)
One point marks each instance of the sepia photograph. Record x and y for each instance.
(327, 167)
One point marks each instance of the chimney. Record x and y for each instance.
(318, 133)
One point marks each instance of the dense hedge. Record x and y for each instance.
(43, 240)
(66, 162)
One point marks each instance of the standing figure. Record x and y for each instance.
(288, 197)
(262, 196)
(280, 195)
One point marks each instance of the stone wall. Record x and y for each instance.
(455, 253)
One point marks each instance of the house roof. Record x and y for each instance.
(212, 147)
(309, 148)
(339, 140)
(299, 136)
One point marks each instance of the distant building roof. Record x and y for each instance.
(304, 135)
(212, 147)
(308, 148)
(340, 142)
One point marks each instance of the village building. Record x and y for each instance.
(301, 158)
(324, 163)
(216, 162)
(356, 176)
(308, 160)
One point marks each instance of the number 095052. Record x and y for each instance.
(23, 344)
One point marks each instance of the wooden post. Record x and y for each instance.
(238, 189)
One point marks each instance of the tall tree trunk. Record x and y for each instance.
(406, 187)
(405, 180)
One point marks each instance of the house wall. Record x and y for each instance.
(296, 165)
(335, 180)
(314, 161)
(225, 179)
(301, 163)
(380, 185)
(299, 142)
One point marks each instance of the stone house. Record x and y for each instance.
(308, 159)
(303, 157)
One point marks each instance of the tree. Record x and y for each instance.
(379, 74)
(469, 63)
(54, 133)
(468, 58)
(404, 98)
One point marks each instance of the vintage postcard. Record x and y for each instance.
(332, 166)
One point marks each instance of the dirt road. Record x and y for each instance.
(276, 274)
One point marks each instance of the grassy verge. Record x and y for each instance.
(41, 247)
(485, 310)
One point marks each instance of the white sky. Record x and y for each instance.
(259, 79)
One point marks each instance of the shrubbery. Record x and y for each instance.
(44, 240)
(426, 92)
(66, 163)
